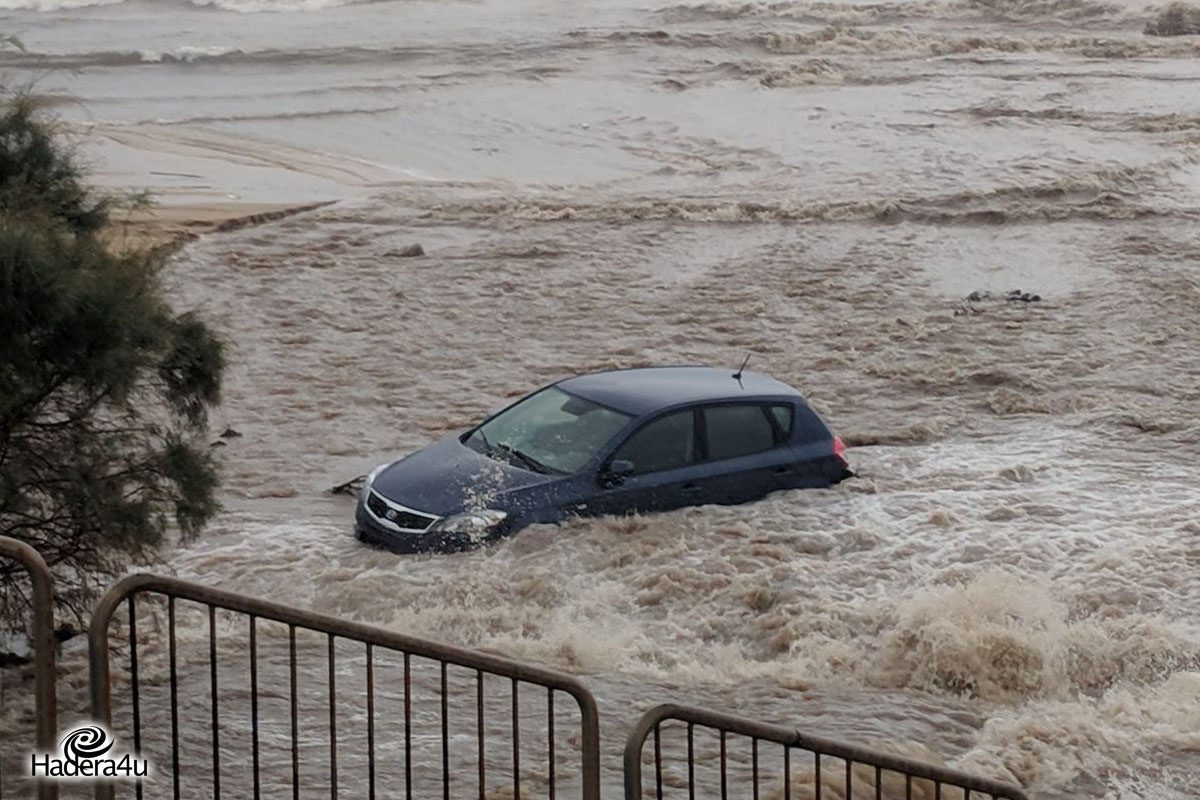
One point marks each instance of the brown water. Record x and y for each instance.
(1011, 585)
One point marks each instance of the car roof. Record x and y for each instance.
(645, 389)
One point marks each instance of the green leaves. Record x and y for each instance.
(191, 368)
(104, 389)
(37, 173)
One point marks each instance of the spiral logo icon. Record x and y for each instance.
(85, 743)
(88, 753)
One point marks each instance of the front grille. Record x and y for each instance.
(397, 516)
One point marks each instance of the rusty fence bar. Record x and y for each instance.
(804, 767)
(219, 685)
(42, 633)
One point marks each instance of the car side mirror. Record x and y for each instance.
(616, 472)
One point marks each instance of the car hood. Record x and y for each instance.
(449, 477)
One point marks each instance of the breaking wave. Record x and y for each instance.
(241, 6)
(1176, 19)
(1141, 123)
(993, 639)
(1103, 195)
(837, 39)
(210, 54)
(1008, 10)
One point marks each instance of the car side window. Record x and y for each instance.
(666, 443)
(784, 417)
(737, 430)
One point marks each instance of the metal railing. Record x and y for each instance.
(832, 770)
(217, 687)
(445, 753)
(42, 645)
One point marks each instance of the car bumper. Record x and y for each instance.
(370, 532)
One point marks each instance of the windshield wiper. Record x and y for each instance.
(529, 461)
(487, 446)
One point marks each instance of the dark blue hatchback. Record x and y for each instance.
(616, 442)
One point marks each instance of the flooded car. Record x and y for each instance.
(619, 442)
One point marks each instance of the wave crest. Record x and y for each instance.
(832, 11)
(1099, 195)
(239, 6)
(1004, 642)
(1177, 19)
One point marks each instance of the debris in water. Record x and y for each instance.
(966, 308)
(230, 433)
(1177, 19)
(351, 487)
(412, 251)
(1015, 296)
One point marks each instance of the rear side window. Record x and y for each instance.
(784, 416)
(666, 443)
(734, 431)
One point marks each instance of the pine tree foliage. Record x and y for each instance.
(104, 389)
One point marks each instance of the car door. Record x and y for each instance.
(665, 472)
(746, 452)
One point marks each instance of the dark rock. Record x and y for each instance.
(974, 297)
(230, 433)
(217, 443)
(412, 251)
(1036, 298)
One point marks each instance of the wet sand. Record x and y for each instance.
(171, 225)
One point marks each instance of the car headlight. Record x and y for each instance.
(372, 475)
(471, 522)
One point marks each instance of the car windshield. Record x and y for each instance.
(550, 431)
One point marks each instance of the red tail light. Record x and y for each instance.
(839, 450)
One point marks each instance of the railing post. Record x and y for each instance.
(98, 669)
(299, 619)
(590, 746)
(792, 738)
(45, 697)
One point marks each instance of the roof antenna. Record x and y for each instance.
(737, 376)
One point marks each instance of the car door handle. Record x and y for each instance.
(783, 470)
(690, 488)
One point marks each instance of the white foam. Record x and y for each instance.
(260, 6)
(187, 53)
(53, 5)
(240, 6)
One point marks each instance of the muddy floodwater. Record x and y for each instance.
(1012, 583)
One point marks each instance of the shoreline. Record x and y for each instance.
(169, 226)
